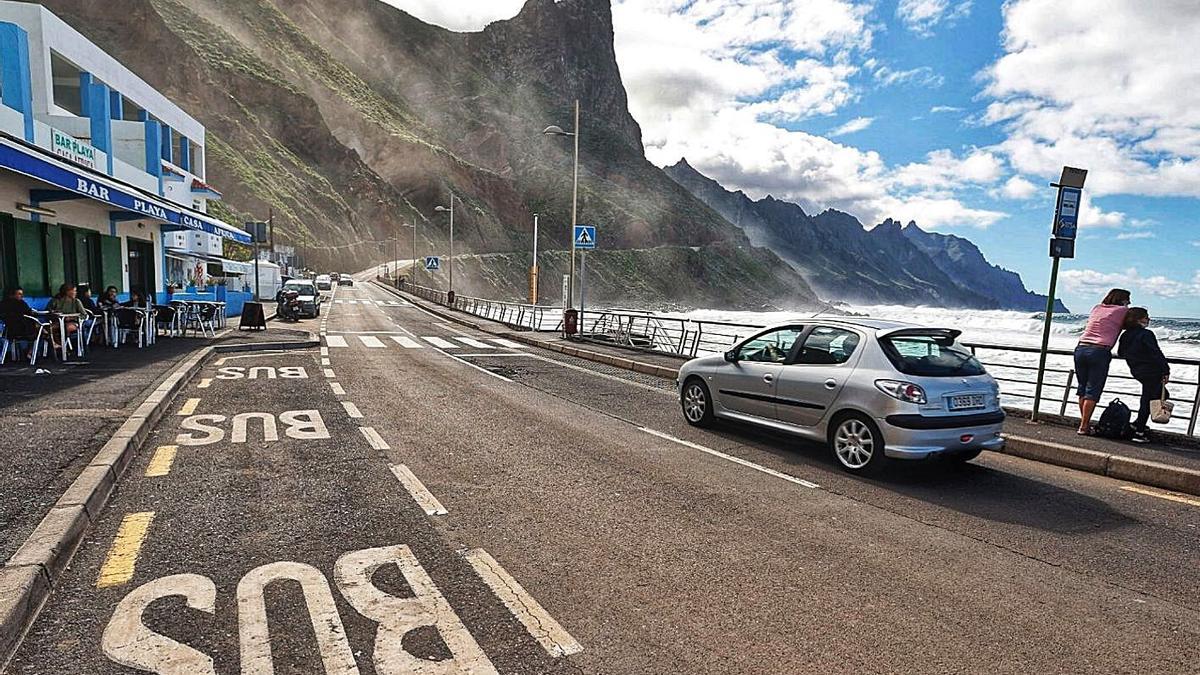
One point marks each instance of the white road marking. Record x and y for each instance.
(329, 373)
(352, 410)
(471, 342)
(419, 492)
(374, 438)
(129, 642)
(736, 460)
(325, 351)
(370, 341)
(406, 342)
(548, 632)
(335, 341)
(606, 376)
(337, 389)
(509, 343)
(440, 343)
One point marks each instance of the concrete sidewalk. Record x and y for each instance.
(53, 424)
(1172, 462)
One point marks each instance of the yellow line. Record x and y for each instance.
(204, 383)
(122, 556)
(160, 463)
(189, 406)
(1162, 495)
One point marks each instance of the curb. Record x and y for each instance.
(311, 341)
(1144, 472)
(28, 578)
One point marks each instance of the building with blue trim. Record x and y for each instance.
(102, 178)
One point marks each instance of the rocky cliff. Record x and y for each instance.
(888, 264)
(353, 120)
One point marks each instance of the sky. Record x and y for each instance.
(954, 113)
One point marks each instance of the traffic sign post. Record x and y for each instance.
(585, 240)
(432, 263)
(1062, 245)
(585, 237)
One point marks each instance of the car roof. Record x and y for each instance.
(877, 325)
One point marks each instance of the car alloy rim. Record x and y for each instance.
(854, 444)
(693, 403)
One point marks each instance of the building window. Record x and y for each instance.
(66, 85)
(130, 111)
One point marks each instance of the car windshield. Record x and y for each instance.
(302, 289)
(930, 355)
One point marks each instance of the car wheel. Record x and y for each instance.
(696, 403)
(856, 444)
(964, 456)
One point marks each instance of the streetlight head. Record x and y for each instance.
(440, 208)
(555, 130)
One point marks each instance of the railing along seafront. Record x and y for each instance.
(1014, 367)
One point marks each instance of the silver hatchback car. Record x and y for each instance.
(871, 389)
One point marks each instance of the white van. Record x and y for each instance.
(324, 282)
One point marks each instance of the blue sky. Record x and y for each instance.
(953, 113)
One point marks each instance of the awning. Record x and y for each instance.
(236, 267)
(36, 163)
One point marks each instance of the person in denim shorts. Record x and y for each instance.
(1093, 354)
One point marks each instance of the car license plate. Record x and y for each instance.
(966, 401)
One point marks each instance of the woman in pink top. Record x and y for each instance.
(1093, 354)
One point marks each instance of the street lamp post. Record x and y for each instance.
(451, 210)
(557, 131)
(533, 270)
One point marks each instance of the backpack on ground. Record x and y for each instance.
(1114, 422)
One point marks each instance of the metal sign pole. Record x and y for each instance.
(582, 286)
(1041, 374)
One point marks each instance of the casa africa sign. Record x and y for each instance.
(72, 148)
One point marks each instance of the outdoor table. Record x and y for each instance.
(62, 331)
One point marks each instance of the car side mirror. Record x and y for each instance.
(731, 356)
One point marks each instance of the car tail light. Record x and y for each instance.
(904, 391)
(966, 438)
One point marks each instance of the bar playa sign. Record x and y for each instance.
(71, 148)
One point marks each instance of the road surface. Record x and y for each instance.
(434, 499)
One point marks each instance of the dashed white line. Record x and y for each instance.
(337, 388)
(325, 361)
(549, 633)
(329, 373)
(419, 492)
(374, 438)
(352, 410)
(324, 351)
(406, 342)
(736, 460)
(440, 343)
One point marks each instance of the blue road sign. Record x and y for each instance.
(433, 263)
(585, 236)
(1066, 214)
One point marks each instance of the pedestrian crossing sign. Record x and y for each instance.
(585, 236)
(432, 263)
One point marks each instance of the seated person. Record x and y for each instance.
(67, 302)
(137, 299)
(109, 299)
(13, 305)
(84, 293)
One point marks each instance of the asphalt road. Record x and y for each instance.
(642, 545)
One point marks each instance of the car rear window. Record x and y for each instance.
(933, 355)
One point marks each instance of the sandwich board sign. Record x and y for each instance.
(432, 263)
(585, 237)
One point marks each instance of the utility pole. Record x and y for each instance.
(533, 270)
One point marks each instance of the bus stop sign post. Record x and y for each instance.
(1062, 245)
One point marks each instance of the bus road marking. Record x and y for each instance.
(160, 463)
(122, 555)
(418, 491)
(549, 633)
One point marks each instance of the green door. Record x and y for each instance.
(29, 244)
(111, 264)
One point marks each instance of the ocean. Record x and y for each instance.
(1178, 337)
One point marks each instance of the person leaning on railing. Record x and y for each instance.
(1139, 347)
(1093, 354)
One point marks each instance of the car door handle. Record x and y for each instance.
(768, 378)
(830, 383)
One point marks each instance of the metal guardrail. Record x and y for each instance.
(689, 338)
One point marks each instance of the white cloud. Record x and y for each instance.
(922, 16)
(1090, 87)
(1096, 283)
(922, 76)
(460, 15)
(854, 125)
(1196, 243)
(943, 170)
(1142, 234)
(945, 109)
(1018, 188)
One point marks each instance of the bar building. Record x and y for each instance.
(102, 178)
